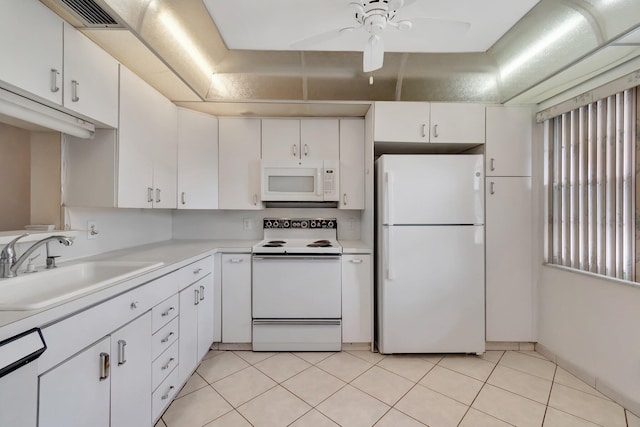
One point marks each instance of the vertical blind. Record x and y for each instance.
(590, 175)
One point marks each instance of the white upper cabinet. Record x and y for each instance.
(280, 139)
(351, 164)
(239, 164)
(31, 45)
(450, 123)
(147, 146)
(508, 149)
(401, 122)
(90, 78)
(319, 139)
(457, 123)
(284, 139)
(197, 160)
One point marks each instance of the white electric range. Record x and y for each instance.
(297, 286)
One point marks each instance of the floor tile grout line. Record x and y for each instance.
(546, 408)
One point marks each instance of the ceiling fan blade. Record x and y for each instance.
(322, 37)
(439, 24)
(373, 55)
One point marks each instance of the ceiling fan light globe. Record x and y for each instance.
(405, 25)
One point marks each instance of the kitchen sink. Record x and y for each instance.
(41, 289)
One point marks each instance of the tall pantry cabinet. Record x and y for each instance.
(508, 225)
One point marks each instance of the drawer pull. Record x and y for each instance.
(134, 305)
(166, 395)
(167, 338)
(356, 261)
(235, 260)
(168, 311)
(165, 367)
(198, 271)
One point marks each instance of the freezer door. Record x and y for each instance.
(430, 290)
(431, 189)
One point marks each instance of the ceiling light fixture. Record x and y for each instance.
(26, 110)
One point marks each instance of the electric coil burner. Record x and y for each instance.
(297, 286)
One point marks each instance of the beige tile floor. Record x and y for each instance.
(359, 388)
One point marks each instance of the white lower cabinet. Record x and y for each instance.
(357, 298)
(236, 298)
(196, 324)
(509, 287)
(109, 380)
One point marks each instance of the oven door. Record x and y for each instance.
(297, 287)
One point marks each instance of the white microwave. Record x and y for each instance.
(299, 181)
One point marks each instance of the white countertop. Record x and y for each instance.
(173, 254)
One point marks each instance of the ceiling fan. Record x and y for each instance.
(374, 17)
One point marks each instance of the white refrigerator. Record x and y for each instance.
(430, 254)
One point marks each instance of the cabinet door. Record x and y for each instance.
(457, 123)
(164, 151)
(280, 139)
(197, 160)
(135, 149)
(319, 139)
(351, 164)
(188, 340)
(205, 315)
(509, 286)
(239, 164)
(401, 122)
(508, 147)
(90, 78)
(73, 394)
(357, 299)
(236, 298)
(131, 374)
(31, 43)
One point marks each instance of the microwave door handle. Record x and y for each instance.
(319, 182)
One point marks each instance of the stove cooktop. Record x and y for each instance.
(299, 236)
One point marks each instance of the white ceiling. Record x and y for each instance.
(277, 24)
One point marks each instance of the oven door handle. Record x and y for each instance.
(296, 257)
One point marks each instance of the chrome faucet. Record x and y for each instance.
(9, 265)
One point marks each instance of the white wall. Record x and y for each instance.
(229, 224)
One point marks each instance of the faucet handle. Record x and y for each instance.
(9, 252)
(51, 261)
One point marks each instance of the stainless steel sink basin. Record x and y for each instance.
(31, 291)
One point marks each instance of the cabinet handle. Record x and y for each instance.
(235, 260)
(201, 292)
(306, 150)
(424, 130)
(105, 366)
(197, 295)
(134, 305)
(157, 195)
(167, 312)
(356, 261)
(167, 338)
(255, 200)
(54, 80)
(344, 199)
(166, 395)
(492, 188)
(165, 367)
(435, 131)
(183, 198)
(198, 271)
(121, 356)
(149, 195)
(75, 92)
(492, 164)
(294, 150)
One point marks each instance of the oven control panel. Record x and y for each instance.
(300, 223)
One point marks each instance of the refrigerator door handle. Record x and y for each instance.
(389, 185)
(388, 254)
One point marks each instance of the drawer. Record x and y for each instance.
(195, 271)
(164, 394)
(164, 312)
(163, 339)
(163, 365)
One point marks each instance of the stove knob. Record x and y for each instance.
(267, 224)
(313, 223)
(275, 224)
(304, 224)
(330, 224)
(286, 224)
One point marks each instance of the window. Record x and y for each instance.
(590, 175)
